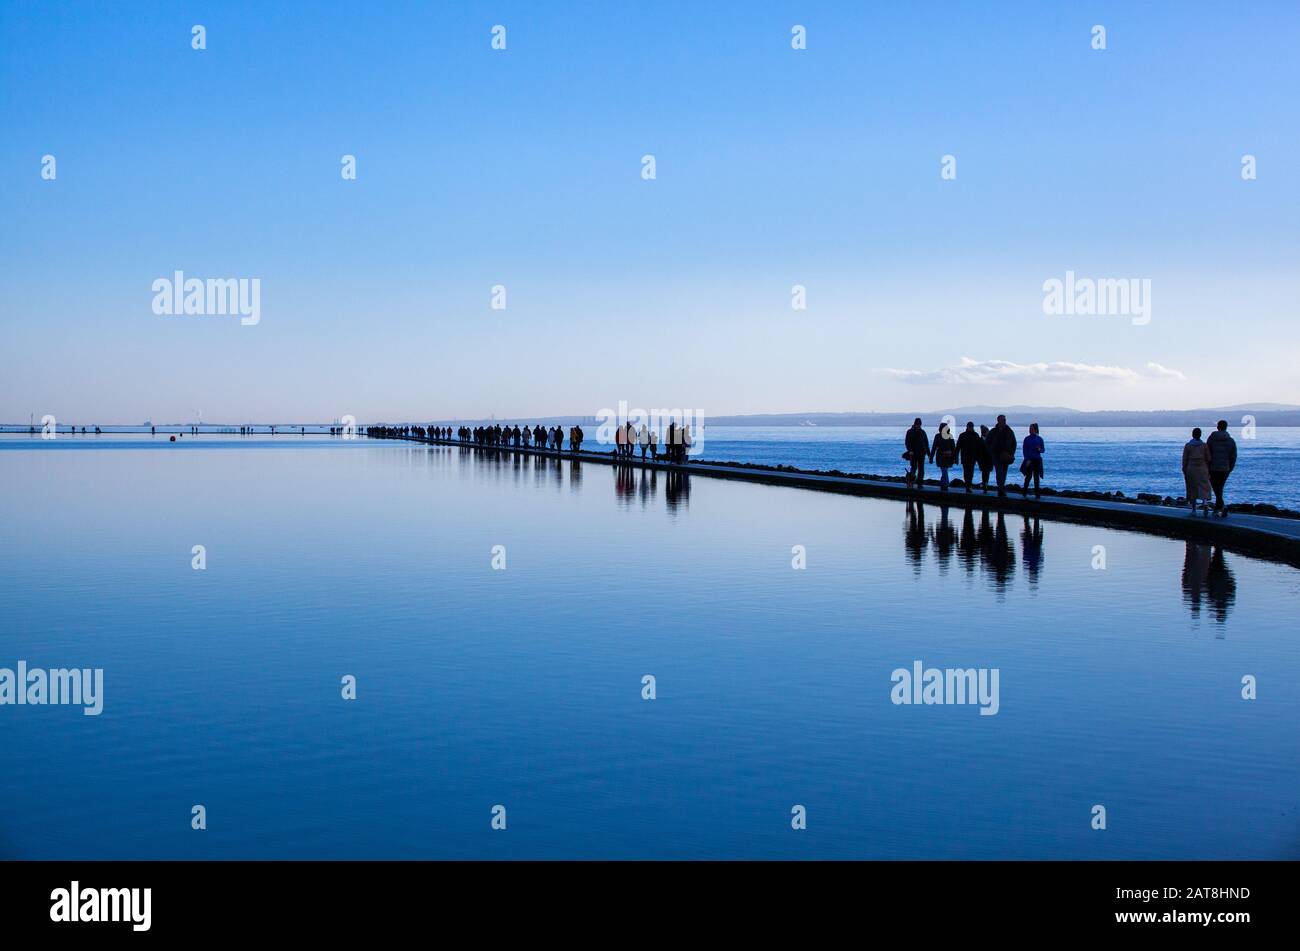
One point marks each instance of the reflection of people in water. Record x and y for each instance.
(1207, 577)
(644, 488)
(995, 546)
(624, 483)
(967, 544)
(914, 535)
(987, 545)
(1031, 549)
(678, 490)
(945, 539)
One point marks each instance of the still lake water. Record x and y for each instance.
(522, 686)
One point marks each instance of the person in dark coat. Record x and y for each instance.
(1002, 445)
(986, 458)
(917, 444)
(969, 448)
(1223, 459)
(943, 454)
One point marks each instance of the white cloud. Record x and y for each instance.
(999, 372)
(1164, 373)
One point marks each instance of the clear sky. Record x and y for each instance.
(523, 167)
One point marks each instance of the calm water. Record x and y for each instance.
(1130, 460)
(522, 686)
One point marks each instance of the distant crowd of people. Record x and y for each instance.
(627, 438)
(536, 437)
(1206, 465)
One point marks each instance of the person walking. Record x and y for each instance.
(1002, 446)
(917, 446)
(1223, 459)
(1196, 472)
(968, 454)
(1032, 466)
(985, 458)
(943, 454)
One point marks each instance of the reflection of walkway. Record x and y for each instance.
(1207, 578)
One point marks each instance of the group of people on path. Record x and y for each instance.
(1206, 467)
(537, 437)
(525, 437)
(989, 450)
(627, 438)
(677, 441)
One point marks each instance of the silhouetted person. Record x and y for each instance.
(1223, 459)
(1196, 472)
(943, 454)
(985, 458)
(1002, 445)
(917, 444)
(968, 454)
(1032, 466)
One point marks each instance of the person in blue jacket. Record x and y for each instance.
(1032, 466)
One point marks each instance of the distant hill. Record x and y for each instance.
(1266, 414)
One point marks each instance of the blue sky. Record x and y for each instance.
(775, 167)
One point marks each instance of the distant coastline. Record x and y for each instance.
(1265, 414)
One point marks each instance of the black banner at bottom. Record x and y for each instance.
(140, 900)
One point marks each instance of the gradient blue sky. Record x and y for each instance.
(775, 167)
